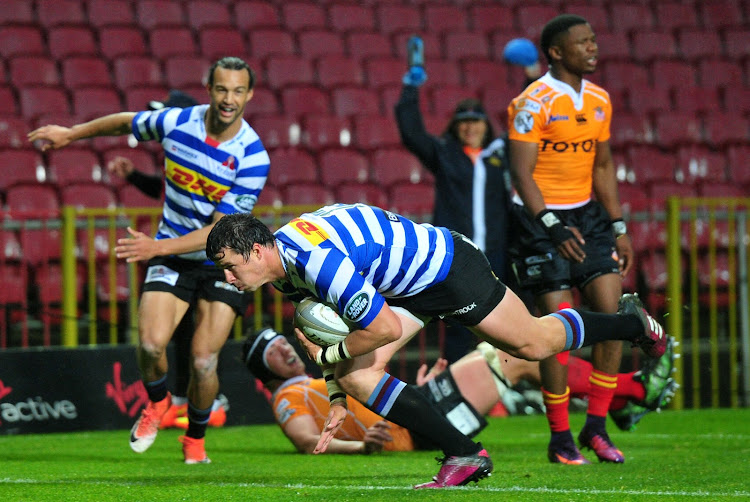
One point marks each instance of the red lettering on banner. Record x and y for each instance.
(4, 391)
(134, 393)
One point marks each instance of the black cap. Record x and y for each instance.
(254, 354)
(175, 99)
(469, 109)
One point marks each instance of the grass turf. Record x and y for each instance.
(686, 455)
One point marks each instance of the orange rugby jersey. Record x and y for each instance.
(307, 396)
(567, 127)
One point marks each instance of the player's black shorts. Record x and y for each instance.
(539, 267)
(468, 294)
(189, 280)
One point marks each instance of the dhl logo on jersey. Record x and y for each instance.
(313, 233)
(192, 182)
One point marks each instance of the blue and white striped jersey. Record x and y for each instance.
(202, 176)
(353, 256)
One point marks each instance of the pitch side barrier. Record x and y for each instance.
(707, 299)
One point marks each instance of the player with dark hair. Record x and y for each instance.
(559, 129)
(388, 276)
(215, 164)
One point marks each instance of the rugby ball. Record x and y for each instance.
(320, 323)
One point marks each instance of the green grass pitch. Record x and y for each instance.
(685, 455)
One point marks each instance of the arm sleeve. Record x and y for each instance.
(150, 185)
(414, 136)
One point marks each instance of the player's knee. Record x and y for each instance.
(533, 352)
(151, 349)
(204, 364)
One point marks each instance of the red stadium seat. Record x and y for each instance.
(720, 189)
(305, 99)
(645, 100)
(486, 18)
(21, 166)
(445, 99)
(264, 102)
(624, 75)
(292, 165)
(677, 128)
(629, 16)
(137, 98)
(74, 165)
(170, 41)
(202, 13)
(38, 100)
(613, 45)
(270, 42)
(116, 41)
(316, 43)
(351, 17)
(85, 71)
(445, 18)
(33, 197)
(466, 45)
(92, 102)
(17, 11)
(33, 70)
(7, 101)
(696, 99)
(85, 195)
(496, 101)
(649, 164)
(480, 74)
(270, 196)
(142, 159)
(395, 166)
(250, 15)
(306, 194)
(393, 18)
(363, 46)
(596, 15)
(156, 13)
(722, 128)
(349, 101)
(648, 45)
(335, 70)
(56, 12)
(218, 42)
(415, 201)
(737, 43)
(673, 73)
(109, 12)
(530, 18)
(182, 71)
(653, 266)
(698, 164)
(339, 165)
(277, 131)
(720, 14)
(13, 130)
(366, 193)
(718, 73)
(136, 71)
(630, 128)
(129, 196)
(659, 191)
(298, 16)
(21, 41)
(673, 15)
(323, 131)
(739, 163)
(695, 43)
(282, 71)
(65, 41)
(373, 132)
(385, 71)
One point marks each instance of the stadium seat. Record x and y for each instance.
(496, 101)
(182, 71)
(720, 14)
(172, 41)
(74, 165)
(344, 17)
(737, 43)
(739, 163)
(674, 15)
(13, 130)
(104, 287)
(137, 98)
(21, 167)
(116, 41)
(136, 71)
(109, 12)
(619, 74)
(218, 42)
(316, 43)
(35, 101)
(129, 196)
(630, 16)
(530, 18)
(710, 188)
(270, 196)
(17, 12)
(339, 165)
(613, 45)
(391, 166)
(8, 101)
(52, 13)
(677, 128)
(653, 267)
(718, 73)
(306, 194)
(336, 70)
(66, 41)
(722, 128)
(448, 72)
(362, 46)
(305, 99)
(445, 99)
(270, 42)
(89, 195)
(445, 18)
(264, 102)
(292, 165)
(696, 99)
(393, 18)
(349, 101)
(414, 201)
(673, 73)
(366, 193)
(85, 71)
(152, 14)
(461, 45)
(93, 102)
(282, 71)
(32, 197)
(696, 164)
(21, 41)
(648, 45)
(373, 132)
(323, 131)
(596, 15)
(202, 13)
(646, 100)
(251, 15)
(659, 191)
(385, 71)
(695, 43)
(297, 16)
(142, 159)
(277, 131)
(33, 70)
(486, 18)
(650, 164)
(479, 74)
(630, 128)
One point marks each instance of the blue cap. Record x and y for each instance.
(520, 51)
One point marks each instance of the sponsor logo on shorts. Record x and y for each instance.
(464, 310)
(357, 307)
(160, 273)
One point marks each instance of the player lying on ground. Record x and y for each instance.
(468, 390)
(388, 275)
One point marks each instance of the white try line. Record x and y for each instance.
(710, 495)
